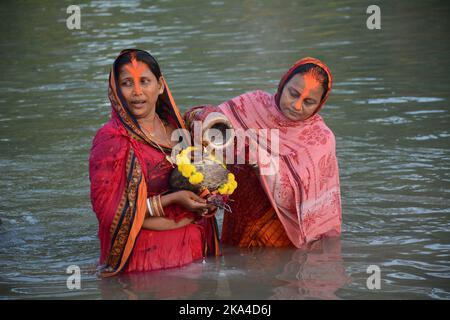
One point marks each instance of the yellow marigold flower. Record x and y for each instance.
(230, 177)
(196, 178)
(232, 185)
(223, 189)
(186, 170)
(182, 160)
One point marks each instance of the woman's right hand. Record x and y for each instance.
(190, 201)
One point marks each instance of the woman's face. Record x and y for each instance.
(301, 97)
(140, 87)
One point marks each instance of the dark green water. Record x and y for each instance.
(388, 109)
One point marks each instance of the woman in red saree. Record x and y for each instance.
(301, 202)
(143, 227)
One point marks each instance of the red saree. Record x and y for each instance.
(125, 169)
(298, 204)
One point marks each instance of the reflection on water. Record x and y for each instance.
(388, 109)
(316, 272)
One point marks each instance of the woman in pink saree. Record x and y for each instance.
(142, 226)
(300, 202)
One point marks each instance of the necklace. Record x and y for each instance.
(168, 142)
(168, 158)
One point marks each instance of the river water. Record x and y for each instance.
(388, 110)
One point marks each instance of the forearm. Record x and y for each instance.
(174, 210)
(161, 223)
(198, 113)
(167, 199)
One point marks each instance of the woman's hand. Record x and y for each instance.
(190, 201)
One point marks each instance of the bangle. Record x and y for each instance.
(160, 207)
(154, 207)
(157, 208)
(149, 207)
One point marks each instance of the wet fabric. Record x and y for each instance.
(305, 190)
(125, 168)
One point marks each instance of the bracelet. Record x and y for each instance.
(150, 209)
(160, 207)
(155, 207)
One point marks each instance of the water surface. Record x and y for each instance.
(388, 110)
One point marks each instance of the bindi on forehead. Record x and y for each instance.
(136, 70)
(308, 80)
(311, 81)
